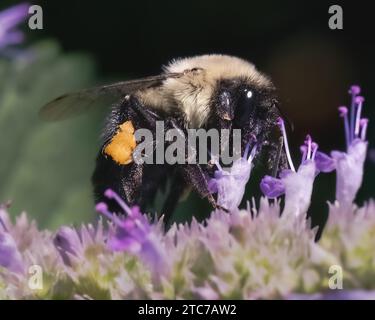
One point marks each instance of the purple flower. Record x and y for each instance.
(230, 184)
(297, 184)
(10, 257)
(67, 242)
(9, 19)
(80, 247)
(298, 188)
(133, 233)
(349, 164)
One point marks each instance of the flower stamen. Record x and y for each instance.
(281, 124)
(343, 110)
(359, 101)
(110, 194)
(246, 152)
(102, 208)
(354, 91)
(308, 142)
(314, 147)
(303, 149)
(309, 149)
(252, 154)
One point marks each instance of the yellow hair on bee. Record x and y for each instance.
(122, 144)
(192, 93)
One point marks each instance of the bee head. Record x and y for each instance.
(241, 103)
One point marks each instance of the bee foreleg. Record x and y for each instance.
(198, 179)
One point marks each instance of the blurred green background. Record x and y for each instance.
(45, 168)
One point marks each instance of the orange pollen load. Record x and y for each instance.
(122, 144)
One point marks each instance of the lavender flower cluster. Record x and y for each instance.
(263, 251)
(9, 20)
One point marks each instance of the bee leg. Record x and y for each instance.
(178, 188)
(198, 179)
(106, 175)
(124, 180)
(132, 182)
(146, 114)
(195, 175)
(155, 179)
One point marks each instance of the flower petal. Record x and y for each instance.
(67, 242)
(272, 187)
(323, 162)
(10, 257)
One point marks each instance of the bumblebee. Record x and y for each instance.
(207, 91)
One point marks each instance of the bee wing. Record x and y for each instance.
(76, 103)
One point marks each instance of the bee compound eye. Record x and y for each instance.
(245, 107)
